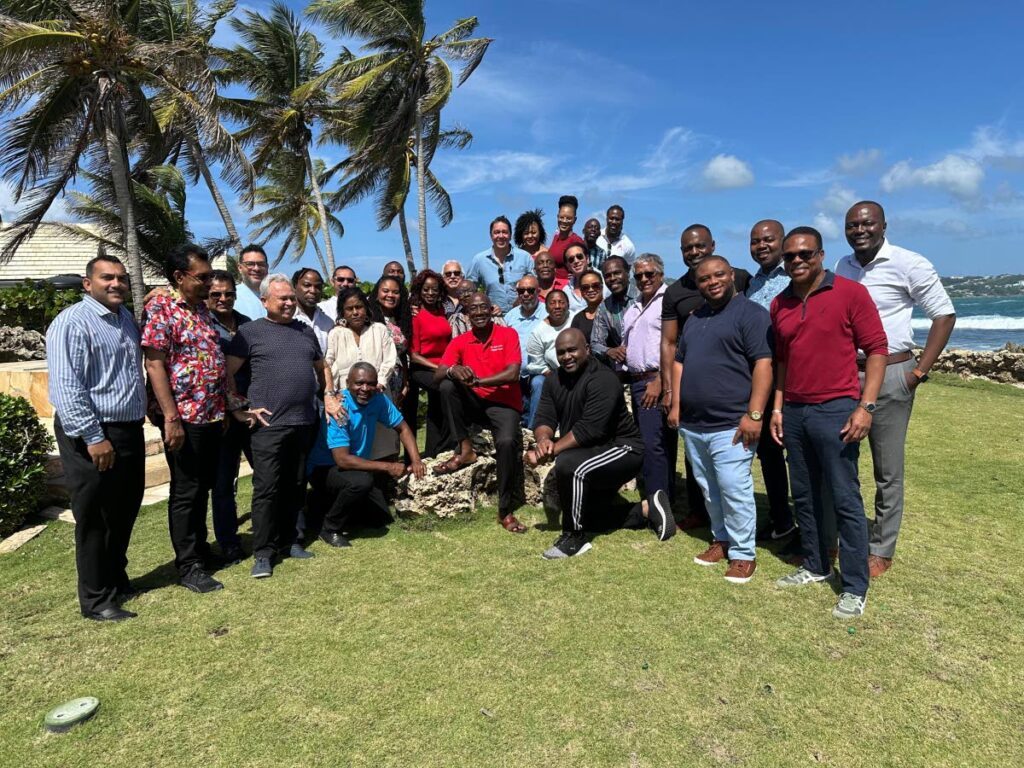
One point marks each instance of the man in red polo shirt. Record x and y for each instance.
(479, 381)
(820, 413)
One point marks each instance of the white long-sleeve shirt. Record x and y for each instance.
(540, 348)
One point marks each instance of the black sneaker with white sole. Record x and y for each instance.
(659, 513)
(569, 544)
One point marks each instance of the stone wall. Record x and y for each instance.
(18, 345)
(1005, 365)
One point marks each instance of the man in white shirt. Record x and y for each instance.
(252, 268)
(898, 280)
(342, 278)
(612, 241)
(309, 289)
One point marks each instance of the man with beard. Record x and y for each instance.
(591, 234)
(612, 241)
(309, 290)
(599, 448)
(606, 337)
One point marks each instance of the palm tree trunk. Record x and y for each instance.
(318, 195)
(410, 260)
(218, 198)
(421, 187)
(320, 258)
(117, 157)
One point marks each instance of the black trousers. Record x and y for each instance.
(464, 407)
(193, 476)
(359, 501)
(776, 482)
(694, 495)
(438, 437)
(105, 505)
(587, 479)
(278, 485)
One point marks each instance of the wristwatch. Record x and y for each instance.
(755, 415)
(922, 377)
(869, 407)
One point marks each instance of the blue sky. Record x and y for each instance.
(726, 113)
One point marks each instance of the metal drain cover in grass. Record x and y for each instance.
(70, 714)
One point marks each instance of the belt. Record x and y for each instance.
(645, 376)
(895, 357)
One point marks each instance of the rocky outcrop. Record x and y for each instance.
(18, 345)
(1004, 365)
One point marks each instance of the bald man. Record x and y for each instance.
(599, 449)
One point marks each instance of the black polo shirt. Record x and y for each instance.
(718, 349)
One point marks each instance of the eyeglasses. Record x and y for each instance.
(649, 275)
(222, 294)
(526, 290)
(254, 264)
(802, 255)
(206, 278)
(453, 273)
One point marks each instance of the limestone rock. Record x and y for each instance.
(1004, 365)
(17, 345)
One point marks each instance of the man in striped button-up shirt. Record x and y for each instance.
(95, 367)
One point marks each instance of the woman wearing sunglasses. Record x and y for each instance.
(592, 291)
(577, 261)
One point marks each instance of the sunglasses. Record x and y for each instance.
(590, 287)
(254, 264)
(577, 257)
(205, 278)
(526, 290)
(345, 280)
(802, 255)
(453, 273)
(638, 276)
(501, 274)
(222, 294)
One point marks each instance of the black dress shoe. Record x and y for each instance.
(233, 556)
(109, 614)
(335, 539)
(199, 581)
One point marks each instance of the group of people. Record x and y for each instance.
(578, 338)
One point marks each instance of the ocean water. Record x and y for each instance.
(981, 323)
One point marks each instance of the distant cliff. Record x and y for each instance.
(966, 286)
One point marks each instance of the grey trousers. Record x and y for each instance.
(887, 438)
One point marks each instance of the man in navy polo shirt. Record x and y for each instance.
(722, 379)
(360, 499)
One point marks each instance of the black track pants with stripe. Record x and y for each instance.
(588, 479)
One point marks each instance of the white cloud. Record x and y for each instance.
(727, 172)
(861, 161)
(956, 174)
(827, 225)
(810, 178)
(8, 209)
(463, 171)
(837, 200)
(990, 145)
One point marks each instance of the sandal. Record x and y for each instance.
(511, 524)
(454, 464)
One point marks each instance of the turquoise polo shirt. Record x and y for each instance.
(501, 288)
(358, 432)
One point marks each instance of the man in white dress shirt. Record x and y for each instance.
(612, 240)
(309, 290)
(342, 278)
(898, 280)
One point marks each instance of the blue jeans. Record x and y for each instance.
(661, 444)
(819, 460)
(531, 386)
(722, 470)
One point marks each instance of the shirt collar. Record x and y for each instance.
(884, 254)
(97, 307)
(778, 269)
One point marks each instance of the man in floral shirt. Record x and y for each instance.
(186, 372)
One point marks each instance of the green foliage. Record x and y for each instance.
(33, 306)
(23, 448)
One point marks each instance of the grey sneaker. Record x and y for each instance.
(850, 606)
(298, 553)
(568, 545)
(802, 577)
(261, 568)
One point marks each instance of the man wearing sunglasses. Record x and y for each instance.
(499, 268)
(522, 319)
(821, 413)
(342, 278)
(252, 267)
(451, 276)
(186, 370)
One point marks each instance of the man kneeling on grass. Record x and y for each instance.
(355, 478)
(599, 450)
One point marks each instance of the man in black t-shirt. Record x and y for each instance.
(681, 299)
(287, 371)
(599, 449)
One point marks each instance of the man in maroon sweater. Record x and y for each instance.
(820, 413)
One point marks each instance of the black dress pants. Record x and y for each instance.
(278, 485)
(438, 437)
(193, 476)
(776, 482)
(105, 505)
(359, 501)
(465, 408)
(587, 480)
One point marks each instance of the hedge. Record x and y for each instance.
(24, 445)
(34, 306)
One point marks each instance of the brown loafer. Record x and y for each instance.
(511, 524)
(878, 565)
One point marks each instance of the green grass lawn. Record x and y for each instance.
(458, 646)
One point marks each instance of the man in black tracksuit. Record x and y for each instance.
(599, 449)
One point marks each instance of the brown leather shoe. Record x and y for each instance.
(740, 571)
(714, 554)
(878, 565)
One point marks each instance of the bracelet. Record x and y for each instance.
(172, 419)
(776, 410)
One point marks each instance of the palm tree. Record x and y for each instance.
(402, 69)
(289, 208)
(278, 60)
(81, 69)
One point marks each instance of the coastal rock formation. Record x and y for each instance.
(18, 345)
(1005, 365)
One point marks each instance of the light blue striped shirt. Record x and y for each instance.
(95, 366)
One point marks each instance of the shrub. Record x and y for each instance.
(24, 445)
(34, 305)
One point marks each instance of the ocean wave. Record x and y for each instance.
(978, 322)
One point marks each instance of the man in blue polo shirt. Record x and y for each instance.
(498, 269)
(360, 500)
(722, 379)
